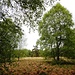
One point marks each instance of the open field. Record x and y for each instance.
(32, 58)
(29, 66)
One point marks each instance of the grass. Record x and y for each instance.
(32, 58)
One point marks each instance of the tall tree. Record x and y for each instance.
(55, 28)
(9, 38)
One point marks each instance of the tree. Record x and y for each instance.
(23, 10)
(54, 29)
(35, 51)
(22, 53)
(9, 38)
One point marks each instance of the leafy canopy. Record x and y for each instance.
(27, 12)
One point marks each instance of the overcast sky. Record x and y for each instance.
(33, 36)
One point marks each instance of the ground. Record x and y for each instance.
(36, 66)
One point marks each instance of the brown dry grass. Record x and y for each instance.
(36, 66)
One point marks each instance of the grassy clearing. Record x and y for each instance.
(32, 58)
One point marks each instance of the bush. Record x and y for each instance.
(62, 62)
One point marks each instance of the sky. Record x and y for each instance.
(33, 36)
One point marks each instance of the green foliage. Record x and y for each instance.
(41, 53)
(68, 49)
(22, 53)
(30, 4)
(56, 31)
(62, 62)
(35, 52)
(28, 8)
(9, 38)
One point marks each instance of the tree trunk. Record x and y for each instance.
(57, 53)
(57, 49)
